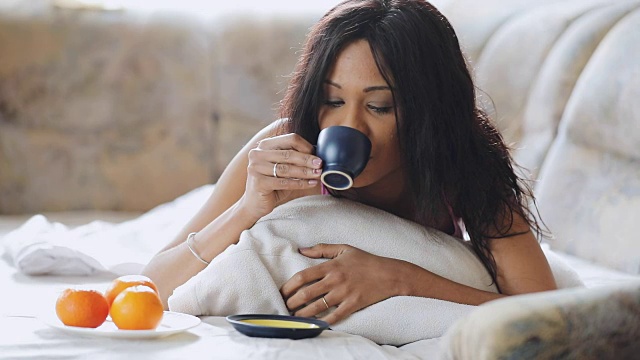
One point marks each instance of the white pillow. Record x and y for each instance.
(246, 277)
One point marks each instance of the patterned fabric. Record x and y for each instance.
(557, 78)
(511, 60)
(589, 194)
(597, 323)
(476, 21)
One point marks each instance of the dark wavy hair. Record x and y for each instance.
(453, 154)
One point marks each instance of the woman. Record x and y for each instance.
(392, 69)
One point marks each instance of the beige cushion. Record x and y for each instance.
(589, 194)
(476, 21)
(254, 58)
(511, 60)
(557, 78)
(102, 111)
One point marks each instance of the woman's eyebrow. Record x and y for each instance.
(329, 82)
(376, 88)
(368, 89)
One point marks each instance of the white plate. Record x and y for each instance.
(172, 323)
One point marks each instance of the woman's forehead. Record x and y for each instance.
(355, 64)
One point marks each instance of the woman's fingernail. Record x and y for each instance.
(317, 162)
(313, 182)
(317, 171)
(303, 249)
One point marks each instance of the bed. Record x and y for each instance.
(24, 335)
(588, 195)
(26, 298)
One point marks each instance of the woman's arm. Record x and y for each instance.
(246, 191)
(521, 268)
(175, 265)
(223, 219)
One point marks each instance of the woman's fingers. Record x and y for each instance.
(286, 142)
(314, 308)
(307, 294)
(295, 178)
(290, 184)
(343, 310)
(287, 149)
(343, 283)
(263, 164)
(271, 160)
(289, 157)
(302, 278)
(342, 305)
(276, 167)
(283, 170)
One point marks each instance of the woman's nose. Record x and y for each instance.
(354, 119)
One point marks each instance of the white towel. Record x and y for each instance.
(246, 277)
(41, 247)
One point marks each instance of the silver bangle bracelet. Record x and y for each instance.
(190, 246)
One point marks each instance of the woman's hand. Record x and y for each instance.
(353, 279)
(277, 166)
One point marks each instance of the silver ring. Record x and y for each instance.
(325, 302)
(275, 168)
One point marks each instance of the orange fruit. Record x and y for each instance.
(137, 308)
(83, 308)
(123, 282)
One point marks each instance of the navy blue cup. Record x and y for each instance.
(344, 152)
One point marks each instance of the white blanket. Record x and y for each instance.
(246, 277)
(41, 247)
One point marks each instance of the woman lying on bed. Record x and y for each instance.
(392, 69)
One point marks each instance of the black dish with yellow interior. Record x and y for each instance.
(277, 326)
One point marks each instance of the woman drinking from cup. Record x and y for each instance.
(394, 71)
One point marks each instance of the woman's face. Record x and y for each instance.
(357, 96)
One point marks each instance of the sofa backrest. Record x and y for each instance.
(557, 77)
(512, 58)
(122, 111)
(476, 21)
(253, 60)
(102, 111)
(589, 192)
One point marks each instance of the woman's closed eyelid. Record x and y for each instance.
(381, 109)
(380, 104)
(334, 103)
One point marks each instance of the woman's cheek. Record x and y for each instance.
(367, 175)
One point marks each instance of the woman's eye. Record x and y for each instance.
(334, 103)
(381, 109)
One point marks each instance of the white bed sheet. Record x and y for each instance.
(23, 336)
